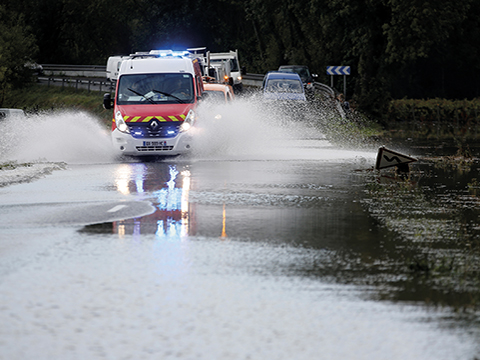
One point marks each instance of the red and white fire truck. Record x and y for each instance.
(154, 106)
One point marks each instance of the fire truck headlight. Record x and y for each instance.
(120, 123)
(188, 122)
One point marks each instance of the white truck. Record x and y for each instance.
(113, 66)
(227, 64)
(222, 68)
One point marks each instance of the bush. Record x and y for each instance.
(45, 98)
(434, 110)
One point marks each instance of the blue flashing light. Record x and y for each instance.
(163, 53)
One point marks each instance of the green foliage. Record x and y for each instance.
(396, 48)
(416, 26)
(38, 98)
(434, 110)
(17, 47)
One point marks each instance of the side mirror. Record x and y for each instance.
(243, 70)
(107, 101)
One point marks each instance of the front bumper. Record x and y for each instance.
(126, 144)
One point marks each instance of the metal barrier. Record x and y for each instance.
(95, 71)
(93, 75)
(324, 88)
(88, 84)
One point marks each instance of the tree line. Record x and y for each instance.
(395, 48)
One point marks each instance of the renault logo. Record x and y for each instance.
(153, 124)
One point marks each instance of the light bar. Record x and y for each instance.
(168, 53)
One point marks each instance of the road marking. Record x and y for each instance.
(116, 208)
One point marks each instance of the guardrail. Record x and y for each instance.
(93, 75)
(252, 79)
(324, 88)
(83, 83)
(98, 71)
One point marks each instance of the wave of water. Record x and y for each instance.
(246, 129)
(62, 136)
(250, 128)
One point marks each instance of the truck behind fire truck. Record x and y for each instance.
(227, 64)
(221, 68)
(155, 103)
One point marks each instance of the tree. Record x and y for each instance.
(17, 50)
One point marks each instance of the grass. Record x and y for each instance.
(12, 165)
(38, 98)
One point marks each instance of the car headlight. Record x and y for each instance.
(188, 122)
(120, 123)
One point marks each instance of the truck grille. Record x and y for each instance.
(153, 148)
(145, 130)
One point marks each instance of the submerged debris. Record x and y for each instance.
(12, 172)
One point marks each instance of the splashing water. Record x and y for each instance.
(251, 128)
(247, 128)
(68, 136)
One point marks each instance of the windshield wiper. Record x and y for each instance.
(167, 94)
(139, 94)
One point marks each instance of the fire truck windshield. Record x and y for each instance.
(158, 88)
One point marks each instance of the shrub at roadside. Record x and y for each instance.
(433, 118)
(46, 98)
(432, 110)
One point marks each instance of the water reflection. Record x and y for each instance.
(167, 186)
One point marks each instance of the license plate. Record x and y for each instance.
(154, 143)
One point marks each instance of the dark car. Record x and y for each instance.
(305, 75)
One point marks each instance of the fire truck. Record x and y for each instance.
(155, 102)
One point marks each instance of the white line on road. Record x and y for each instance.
(116, 208)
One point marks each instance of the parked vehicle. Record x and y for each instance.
(155, 104)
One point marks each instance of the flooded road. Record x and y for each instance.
(268, 254)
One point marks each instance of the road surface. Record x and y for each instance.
(240, 251)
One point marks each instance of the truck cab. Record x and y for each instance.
(229, 63)
(154, 108)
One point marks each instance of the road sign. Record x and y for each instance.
(338, 70)
(387, 158)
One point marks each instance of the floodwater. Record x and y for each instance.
(268, 242)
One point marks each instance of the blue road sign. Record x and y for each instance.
(338, 70)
